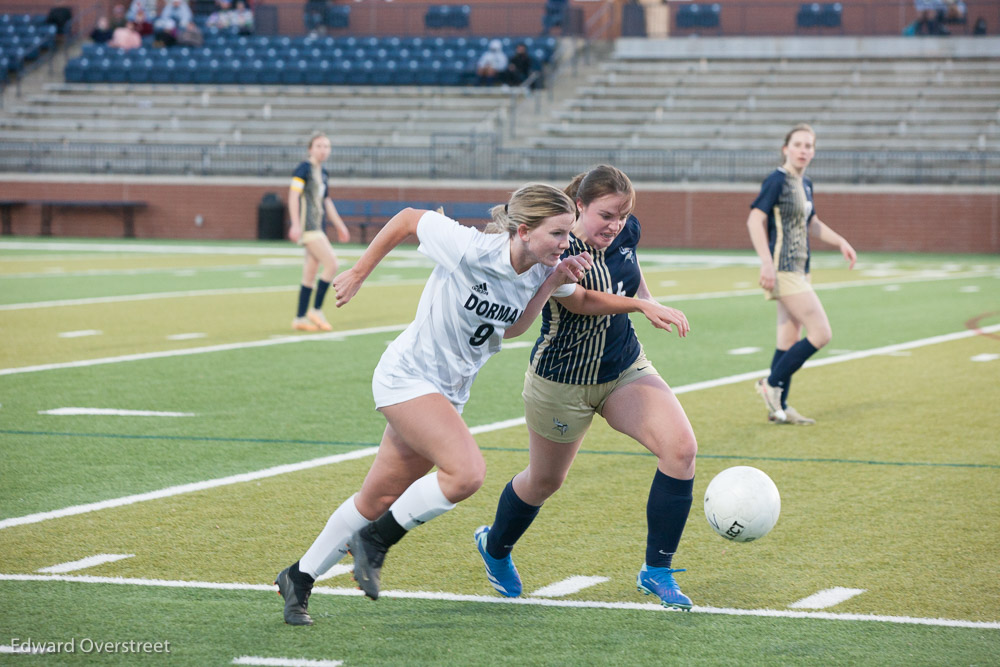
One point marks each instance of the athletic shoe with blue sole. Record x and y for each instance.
(659, 581)
(501, 572)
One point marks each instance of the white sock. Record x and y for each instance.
(420, 503)
(331, 545)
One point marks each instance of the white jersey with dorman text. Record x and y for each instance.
(471, 297)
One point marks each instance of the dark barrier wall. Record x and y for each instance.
(890, 218)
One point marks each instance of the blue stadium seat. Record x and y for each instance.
(361, 73)
(184, 73)
(117, 70)
(273, 71)
(74, 71)
(808, 16)
(249, 73)
(163, 71)
(295, 72)
(338, 17)
(140, 70)
(206, 71)
(316, 75)
(831, 16)
(436, 16)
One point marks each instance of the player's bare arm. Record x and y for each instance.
(400, 226)
(569, 270)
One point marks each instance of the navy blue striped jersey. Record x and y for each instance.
(592, 349)
(788, 202)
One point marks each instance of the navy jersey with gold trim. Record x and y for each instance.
(788, 202)
(591, 349)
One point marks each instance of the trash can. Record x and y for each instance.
(271, 218)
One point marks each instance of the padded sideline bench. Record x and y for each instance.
(365, 213)
(49, 206)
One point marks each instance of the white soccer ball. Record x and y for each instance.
(742, 504)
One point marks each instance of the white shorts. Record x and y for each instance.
(392, 389)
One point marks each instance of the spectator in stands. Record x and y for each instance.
(781, 219)
(142, 23)
(954, 11)
(929, 14)
(147, 6)
(243, 18)
(102, 32)
(979, 28)
(222, 17)
(519, 67)
(118, 19)
(172, 22)
(126, 37)
(308, 200)
(492, 63)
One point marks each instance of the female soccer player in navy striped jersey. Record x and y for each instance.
(484, 287)
(588, 361)
(308, 199)
(781, 219)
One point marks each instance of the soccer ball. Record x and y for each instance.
(742, 504)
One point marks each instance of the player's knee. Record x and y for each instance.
(543, 486)
(821, 337)
(464, 481)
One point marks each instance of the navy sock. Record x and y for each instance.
(791, 361)
(778, 354)
(304, 294)
(512, 520)
(321, 287)
(666, 514)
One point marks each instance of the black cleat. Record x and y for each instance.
(368, 558)
(296, 599)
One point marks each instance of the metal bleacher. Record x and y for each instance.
(855, 104)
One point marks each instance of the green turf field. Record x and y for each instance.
(889, 504)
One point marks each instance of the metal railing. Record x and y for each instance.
(482, 157)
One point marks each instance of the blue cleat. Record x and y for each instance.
(660, 580)
(501, 572)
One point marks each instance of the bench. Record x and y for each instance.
(49, 206)
(365, 213)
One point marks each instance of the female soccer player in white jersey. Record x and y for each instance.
(308, 199)
(781, 219)
(585, 362)
(484, 287)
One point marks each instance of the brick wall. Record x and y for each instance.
(892, 219)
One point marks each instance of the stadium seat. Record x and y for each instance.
(272, 72)
(831, 15)
(338, 17)
(74, 71)
(808, 16)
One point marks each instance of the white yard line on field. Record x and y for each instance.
(284, 662)
(495, 426)
(187, 488)
(492, 599)
(143, 356)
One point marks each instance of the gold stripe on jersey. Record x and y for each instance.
(298, 184)
(778, 239)
(581, 363)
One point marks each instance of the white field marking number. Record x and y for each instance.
(827, 598)
(84, 563)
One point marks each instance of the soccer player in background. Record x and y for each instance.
(308, 199)
(781, 219)
(485, 286)
(588, 361)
